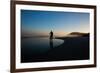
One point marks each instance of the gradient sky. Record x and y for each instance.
(42, 22)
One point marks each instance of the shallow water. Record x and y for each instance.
(40, 44)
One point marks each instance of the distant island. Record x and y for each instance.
(74, 34)
(79, 34)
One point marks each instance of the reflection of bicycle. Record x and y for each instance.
(51, 43)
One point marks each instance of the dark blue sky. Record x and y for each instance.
(42, 22)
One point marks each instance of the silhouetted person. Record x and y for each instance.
(51, 39)
(51, 35)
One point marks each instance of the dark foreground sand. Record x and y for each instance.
(73, 48)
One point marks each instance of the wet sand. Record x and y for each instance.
(73, 48)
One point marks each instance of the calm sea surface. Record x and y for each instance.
(39, 44)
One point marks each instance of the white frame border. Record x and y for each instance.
(55, 63)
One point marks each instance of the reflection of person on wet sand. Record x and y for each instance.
(51, 44)
(51, 39)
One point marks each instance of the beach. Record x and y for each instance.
(73, 48)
